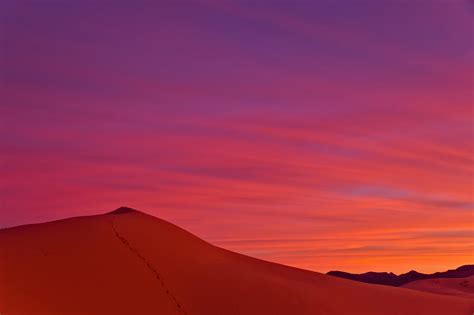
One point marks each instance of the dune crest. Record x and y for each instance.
(123, 210)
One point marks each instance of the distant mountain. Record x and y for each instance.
(391, 279)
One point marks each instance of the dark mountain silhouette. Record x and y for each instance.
(391, 279)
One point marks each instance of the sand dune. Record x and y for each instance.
(132, 263)
(458, 287)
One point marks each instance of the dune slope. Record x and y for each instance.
(127, 262)
(457, 286)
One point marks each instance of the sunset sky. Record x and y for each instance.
(336, 135)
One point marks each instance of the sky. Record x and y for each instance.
(318, 134)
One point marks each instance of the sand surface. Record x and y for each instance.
(463, 287)
(135, 264)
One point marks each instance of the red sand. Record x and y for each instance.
(135, 264)
(457, 286)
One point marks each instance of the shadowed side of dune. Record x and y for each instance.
(127, 262)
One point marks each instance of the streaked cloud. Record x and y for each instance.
(271, 130)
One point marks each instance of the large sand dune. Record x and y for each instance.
(132, 263)
(457, 286)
